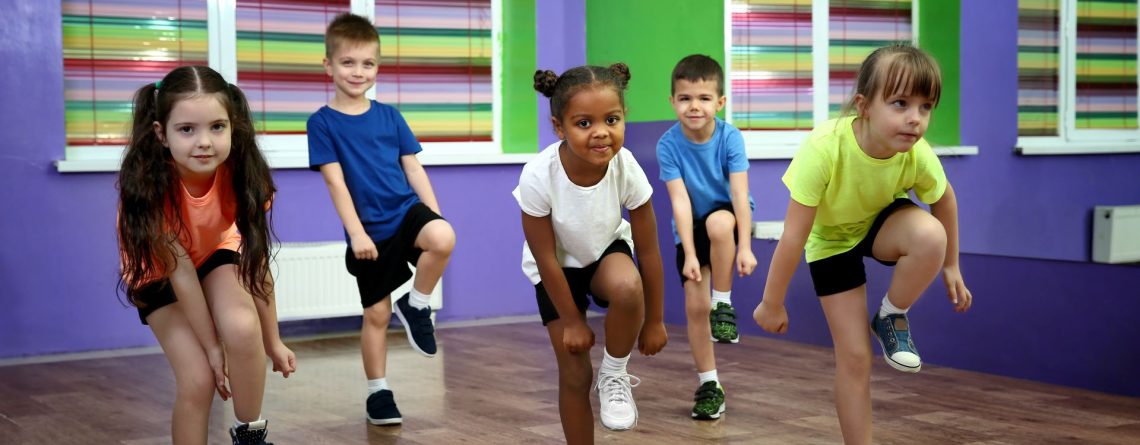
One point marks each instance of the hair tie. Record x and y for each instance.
(158, 85)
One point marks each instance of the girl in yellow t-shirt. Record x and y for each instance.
(849, 184)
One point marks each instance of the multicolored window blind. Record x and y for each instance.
(280, 45)
(435, 66)
(771, 72)
(1106, 64)
(1038, 67)
(113, 47)
(856, 28)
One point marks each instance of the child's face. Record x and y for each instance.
(197, 133)
(696, 104)
(896, 122)
(353, 68)
(593, 125)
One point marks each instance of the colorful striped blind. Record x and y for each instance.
(1038, 65)
(280, 45)
(113, 47)
(435, 66)
(771, 72)
(856, 28)
(1106, 64)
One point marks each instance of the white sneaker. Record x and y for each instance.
(616, 396)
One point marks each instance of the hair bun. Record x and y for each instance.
(621, 71)
(544, 81)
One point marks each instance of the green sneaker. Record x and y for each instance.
(710, 401)
(723, 322)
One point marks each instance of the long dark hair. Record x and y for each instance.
(149, 195)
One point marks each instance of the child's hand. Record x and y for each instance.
(283, 359)
(745, 262)
(956, 289)
(363, 248)
(217, 359)
(771, 318)
(692, 268)
(652, 338)
(577, 337)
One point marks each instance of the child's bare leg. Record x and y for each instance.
(721, 225)
(697, 307)
(235, 317)
(374, 339)
(918, 242)
(846, 314)
(575, 374)
(618, 282)
(193, 378)
(437, 240)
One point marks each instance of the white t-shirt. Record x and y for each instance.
(586, 220)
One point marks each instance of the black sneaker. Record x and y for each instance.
(382, 409)
(252, 433)
(417, 324)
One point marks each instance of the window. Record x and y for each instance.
(1077, 78)
(792, 63)
(438, 58)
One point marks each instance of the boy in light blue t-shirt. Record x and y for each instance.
(705, 169)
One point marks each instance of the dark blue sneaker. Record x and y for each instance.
(382, 409)
(893, 333)
(417, 324)
(252, 433)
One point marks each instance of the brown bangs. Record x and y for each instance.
(909, 74)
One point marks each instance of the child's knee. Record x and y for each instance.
(241, 333)
(929, 239)
(576, 379)
(626, 293)
(195, 386)
(853, 362)
(697, 305)
(378, 315)
(441, 239)
(720, 226)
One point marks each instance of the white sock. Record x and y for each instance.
(376, 385)
(708, 376)
(418, 300)
(721, 297)
(238, 423)
(612, 365)
(887, 308)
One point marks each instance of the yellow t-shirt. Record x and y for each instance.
(848, 188)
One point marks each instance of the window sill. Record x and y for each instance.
(1075, 148)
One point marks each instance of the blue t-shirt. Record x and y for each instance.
(368, 147)
(704, 168)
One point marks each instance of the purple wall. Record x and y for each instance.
(561, 41)
(1056, 321)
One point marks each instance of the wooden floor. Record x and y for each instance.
(497, 385)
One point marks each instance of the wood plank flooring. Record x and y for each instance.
(498, 385)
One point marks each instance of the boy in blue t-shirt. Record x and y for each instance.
(705, 169)
(367, 156)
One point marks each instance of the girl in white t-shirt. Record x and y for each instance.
(572, 195)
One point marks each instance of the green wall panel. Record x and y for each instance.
(939, 34)
(520, 131)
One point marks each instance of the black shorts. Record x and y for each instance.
(157, 294)
(579, 280)
(378, 278)
(701, 242)
(845, 271)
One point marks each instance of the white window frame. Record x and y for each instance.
(292, 150)
(782, 144)
(1072, 140)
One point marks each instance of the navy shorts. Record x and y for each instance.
(845, 271)
(378, 278)
(157, 294)
(579, 279)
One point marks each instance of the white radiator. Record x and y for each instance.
(310, 281)
(1116, 234)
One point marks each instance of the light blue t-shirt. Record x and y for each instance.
(704, 168)
(368, 147)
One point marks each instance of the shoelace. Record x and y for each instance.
(618, 387)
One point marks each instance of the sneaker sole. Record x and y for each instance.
(621, 428)
(408, 332)
(392, 421)
(887, 358)
(732, 341)
(711, 416)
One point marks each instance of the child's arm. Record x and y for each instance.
(418, 179)
(738, 187)
(683, 217)
(946, 211)
(577, 336)
(191, 299)
(283, 359)
(770, 314)
(362, 246)
(653, 336)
